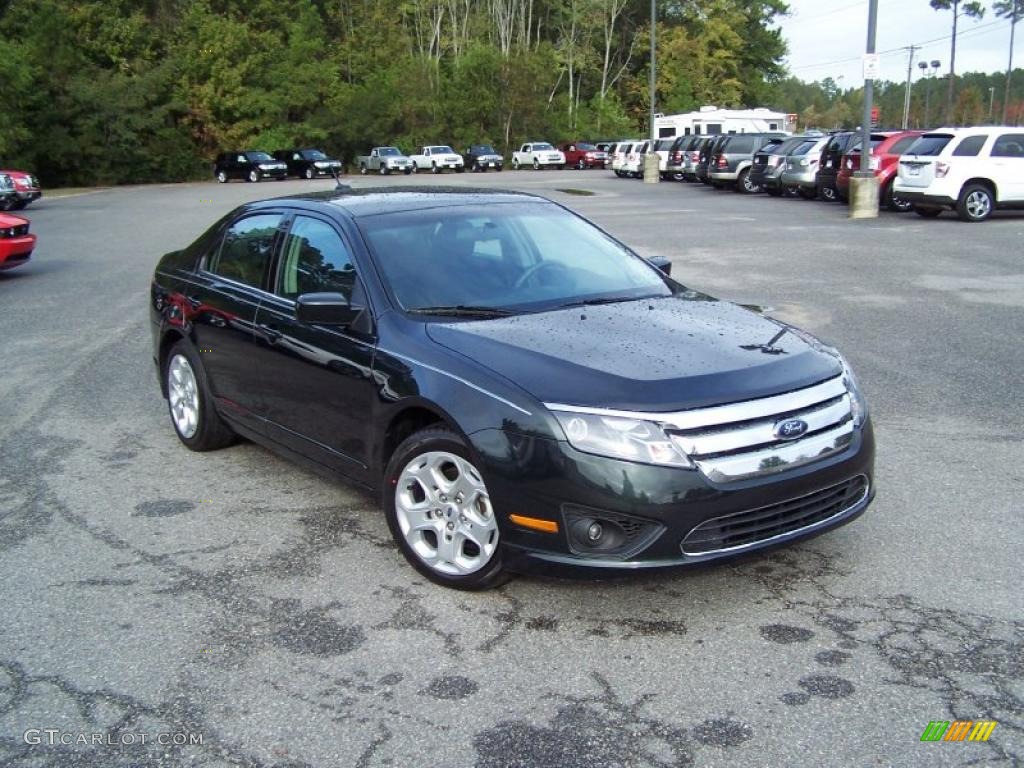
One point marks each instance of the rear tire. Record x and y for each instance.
(222, 177)
(744, 183)
(190, 402)
(893, 203)
(827, 193)
(536, 164)
(435, 500)
(976, 203)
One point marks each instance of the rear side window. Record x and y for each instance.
(1009, 145)
(970, 147)
(245, 253)
(930, 145)
(740, 145)
(804, 148)
(902, 145)
(315, 260)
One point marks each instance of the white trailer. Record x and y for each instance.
(711, 120)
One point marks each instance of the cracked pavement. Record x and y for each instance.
(147, 589)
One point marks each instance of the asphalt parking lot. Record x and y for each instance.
(232, 595)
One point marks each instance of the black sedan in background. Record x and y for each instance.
(251, 165)
(524, 390)
(308, 163)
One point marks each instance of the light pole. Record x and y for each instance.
(864, 185)
(651, 170)
(928, 70)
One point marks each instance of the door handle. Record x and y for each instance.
(270, 332)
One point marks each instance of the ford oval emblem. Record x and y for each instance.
(790, 429)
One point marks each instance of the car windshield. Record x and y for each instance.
(585, 147)
(507, 257)
(542, 146)
(389, 151)
(442, 150)
(930, 144)
(259, 157)
(484, 149)
(313, 154)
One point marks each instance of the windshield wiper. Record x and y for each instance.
(607, 300)
(462, 310)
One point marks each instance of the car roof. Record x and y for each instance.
(373, 201)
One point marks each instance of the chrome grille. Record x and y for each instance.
(757, 526)
(740, 441)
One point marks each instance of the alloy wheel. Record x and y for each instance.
(978, 204)
(183, 394)
(444, 513)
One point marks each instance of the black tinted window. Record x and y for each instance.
(902, 145)
(970, 147)
(930, 144)
(315, 260)
(1009, 145)
(245, 253)
(740, 145)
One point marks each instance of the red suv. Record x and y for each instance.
(582, 155)
(886, 148)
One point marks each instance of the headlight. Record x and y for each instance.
(621, 438)
(858, 405)
(264, 166)
(6, 232)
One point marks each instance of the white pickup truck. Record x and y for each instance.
(384, 160)
(437, 159)
(537, 154)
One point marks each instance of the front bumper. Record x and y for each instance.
(15, 251)
(28, 195)
(549, 480)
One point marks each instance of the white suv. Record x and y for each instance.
(971, 170)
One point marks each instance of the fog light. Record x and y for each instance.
(595, 532)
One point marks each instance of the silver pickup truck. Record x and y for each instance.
(384, 160)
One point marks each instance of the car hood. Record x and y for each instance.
(674, 353)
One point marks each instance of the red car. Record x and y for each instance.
(26, 188)
(16, 243)
(886, 148)
(582, 155)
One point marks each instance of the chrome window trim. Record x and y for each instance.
(747, 410)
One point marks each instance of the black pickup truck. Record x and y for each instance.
(480, 157)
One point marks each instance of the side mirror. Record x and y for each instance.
(662, 263)
(325, 309)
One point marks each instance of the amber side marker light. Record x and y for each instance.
(535, 523)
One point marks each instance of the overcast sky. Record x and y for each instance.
(828, 37)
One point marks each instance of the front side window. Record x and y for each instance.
(245, 252)
(514, 257)
(1009, 145)
(542, 147)
(314, 260)
(313, 154)
(390, 151)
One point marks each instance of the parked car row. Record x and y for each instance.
(973, 171)
(18, 189)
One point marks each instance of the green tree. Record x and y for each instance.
(1014, 11)
(971, 8)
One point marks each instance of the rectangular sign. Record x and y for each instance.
(872, 66)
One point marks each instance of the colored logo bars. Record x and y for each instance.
(958, 730)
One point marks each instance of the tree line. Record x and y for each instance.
(126, 91)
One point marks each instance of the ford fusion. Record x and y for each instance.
(526, 392)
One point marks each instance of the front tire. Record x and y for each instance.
(434, 168)
(976, 203)
(190, 402)
(536, 164)
(254, 177)
(581, 165)
(515, 164)
(440, 513)
(222, 177)
(362, 168)
(309, 174)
